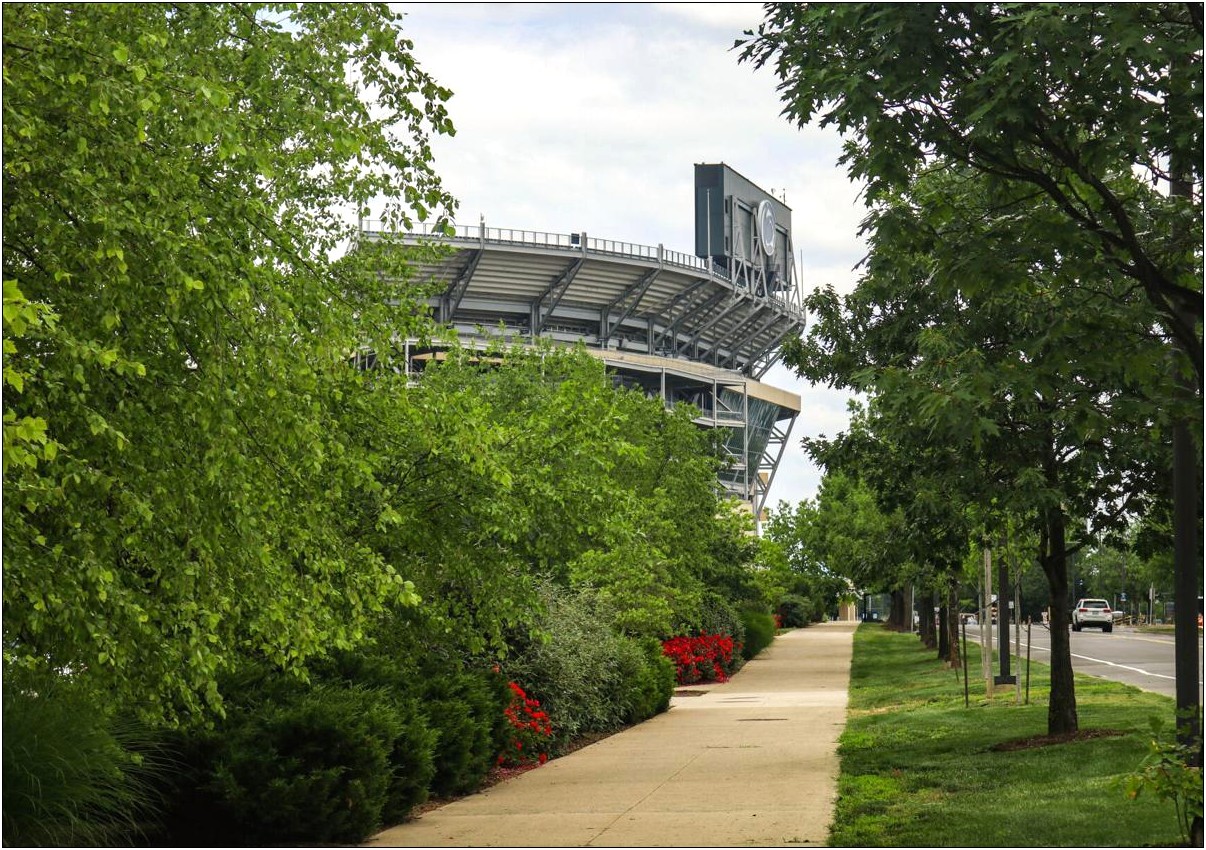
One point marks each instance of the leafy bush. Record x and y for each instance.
(530, 730)
(795, 611)
(1169, 773)
(72, 775)
(718, 616)
(759, 631)
(582, 670)
(648, 679)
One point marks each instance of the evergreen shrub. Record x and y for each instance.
(324, 765)
(316, 770)
(759, 631)
(467, 714)
(647, 678)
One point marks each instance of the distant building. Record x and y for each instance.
(701, 328)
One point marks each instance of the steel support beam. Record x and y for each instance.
(553, 295)
(704, 305)
(742, 325)
(774, 467)
(760, 368)
(689, 292)
(737, 300)
(636, 292)
(452, 297)
(774, 318)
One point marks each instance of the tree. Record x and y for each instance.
(1069, 99)
(178, 338)
(1076, 101)
(517, 466)
(963, 329)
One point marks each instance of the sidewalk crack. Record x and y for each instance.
(657, 788)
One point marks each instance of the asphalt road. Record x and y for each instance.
(1144, 660)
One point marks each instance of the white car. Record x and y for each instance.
(1092, 612)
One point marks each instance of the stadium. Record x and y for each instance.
(699, 328)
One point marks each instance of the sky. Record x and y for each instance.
(590, 117)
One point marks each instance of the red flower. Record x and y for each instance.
(702, 657)
(530, 726)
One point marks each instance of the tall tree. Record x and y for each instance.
(177, 179)
(1076, 101)
(965, 332)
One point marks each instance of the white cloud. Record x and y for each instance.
(591, 117)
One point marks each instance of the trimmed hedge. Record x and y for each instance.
(374, 733)
(759, 631)
(648, 680)
(315, 766)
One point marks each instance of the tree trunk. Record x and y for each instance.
(1187, 558)
(1061, 709)
(929, 636)
(896, 613)
(952, 622)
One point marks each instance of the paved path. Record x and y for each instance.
(751, 762)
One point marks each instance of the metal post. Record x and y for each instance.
(1017, 632)
(966, 693)
(1028, 662)
(986, 623)
(745, 443)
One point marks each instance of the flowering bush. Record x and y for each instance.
(530, 730)
(702, 658)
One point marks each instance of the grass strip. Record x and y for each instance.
(918, 769)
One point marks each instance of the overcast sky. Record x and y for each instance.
(591, 117)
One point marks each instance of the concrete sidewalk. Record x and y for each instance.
(750, 762)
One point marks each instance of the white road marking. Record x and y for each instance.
(1111, 664)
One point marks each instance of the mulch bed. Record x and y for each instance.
(1037, 741)
(502, 774)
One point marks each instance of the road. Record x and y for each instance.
(1144, 660)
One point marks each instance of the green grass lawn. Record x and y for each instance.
(919, 769)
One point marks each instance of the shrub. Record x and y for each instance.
(411, 761)
(465, 712)
(465, 709)
(719, 617)
(759, 631)
(530, 730)
(701, 658)
(572, 670)
(317, 770)
(324, 765)
(648, 677)
(72, 775)
(795, 611)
